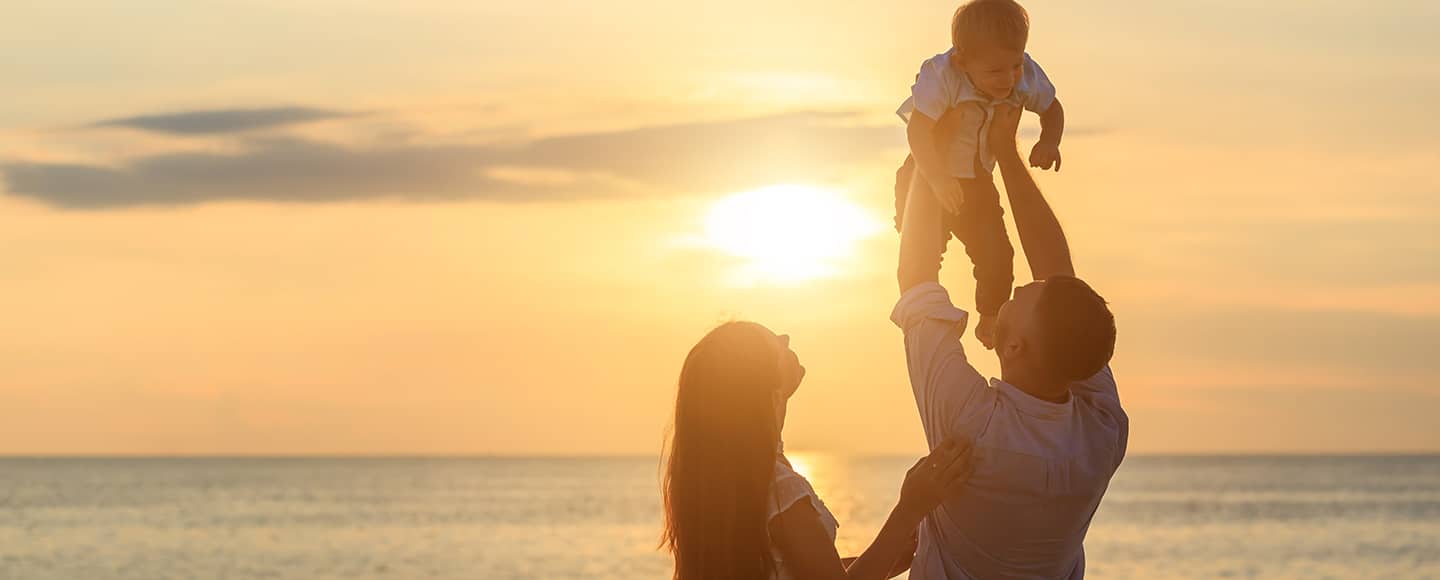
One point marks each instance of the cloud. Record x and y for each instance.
(223, 120)
(671, 159)
(272, 170)
(723, 154)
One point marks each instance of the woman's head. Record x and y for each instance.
(726, 431)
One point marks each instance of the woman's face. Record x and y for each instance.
(791, 371)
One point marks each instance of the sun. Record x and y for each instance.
(786, 234)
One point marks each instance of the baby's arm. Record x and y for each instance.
(1052, 126)
(921, 134)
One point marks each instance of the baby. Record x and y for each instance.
(948, 115)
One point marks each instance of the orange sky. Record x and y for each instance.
(454, 227)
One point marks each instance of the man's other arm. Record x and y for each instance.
(1040, 233)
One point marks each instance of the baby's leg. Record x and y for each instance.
(920, 261)
(920, 255)
(980, 226)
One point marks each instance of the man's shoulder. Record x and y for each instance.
(1101, 383)
(1099, 398)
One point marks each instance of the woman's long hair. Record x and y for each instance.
(721, 456)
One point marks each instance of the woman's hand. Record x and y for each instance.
(936, 475)
(930, 480)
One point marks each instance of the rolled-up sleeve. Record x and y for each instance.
(949, 392)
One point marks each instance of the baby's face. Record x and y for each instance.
(995, 71)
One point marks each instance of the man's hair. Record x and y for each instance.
(1075, 329)
(989, 23)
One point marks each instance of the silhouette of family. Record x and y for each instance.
(1018, 464)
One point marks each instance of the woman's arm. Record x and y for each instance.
(805, 544)
(810, 554)
(892, 545)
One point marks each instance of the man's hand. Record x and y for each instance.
(1002, 130)
(1045, 154)
(1040, 233)
(949, 194)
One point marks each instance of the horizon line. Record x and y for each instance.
(1184, 454)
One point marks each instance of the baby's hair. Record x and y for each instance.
(993, 23)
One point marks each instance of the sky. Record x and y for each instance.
(458, 227)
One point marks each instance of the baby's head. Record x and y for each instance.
(989, 38)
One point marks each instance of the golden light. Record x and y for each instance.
(786, 234)
(802, 463)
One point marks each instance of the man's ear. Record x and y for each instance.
(1014, 348)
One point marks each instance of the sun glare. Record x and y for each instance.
(786, 234)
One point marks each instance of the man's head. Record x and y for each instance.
(1052, 333)
(989, 37)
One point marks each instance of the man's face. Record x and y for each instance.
(1014, 323)
(995, 71)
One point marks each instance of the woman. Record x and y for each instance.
(734, 508)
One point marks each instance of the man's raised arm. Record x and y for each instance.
(920, 235)
(1040, 232)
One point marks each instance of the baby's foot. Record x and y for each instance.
(985, 330)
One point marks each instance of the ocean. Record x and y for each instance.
(598, 518)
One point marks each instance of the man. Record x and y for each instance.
(1049, 433)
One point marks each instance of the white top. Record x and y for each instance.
(786, 489)
(1040, 467)
(940, 88)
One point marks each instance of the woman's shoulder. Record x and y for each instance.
(785, 473)
(788, 487)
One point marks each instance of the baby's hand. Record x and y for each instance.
(1044, 155)
(950, 195)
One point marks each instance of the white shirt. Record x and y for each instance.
(940, 88)
(786, 489)
(1041, 467)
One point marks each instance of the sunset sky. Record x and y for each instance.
(459, 227)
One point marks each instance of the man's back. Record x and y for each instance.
(1041, 467)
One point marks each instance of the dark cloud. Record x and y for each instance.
(223, 120)
(675, 158)
(274, 170)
